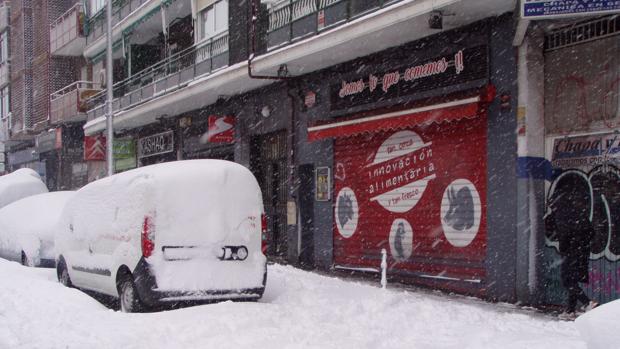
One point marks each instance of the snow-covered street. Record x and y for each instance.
(299, 310)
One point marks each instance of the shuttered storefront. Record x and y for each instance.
(417, 191)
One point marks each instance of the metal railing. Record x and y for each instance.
(67, 27)
(293, 19)
(96, 25)
(69, 102)
(167, 75)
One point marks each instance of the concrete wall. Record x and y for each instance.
(501, 166)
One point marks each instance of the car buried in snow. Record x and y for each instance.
(184, 231)
(27, 228)
(19, 184)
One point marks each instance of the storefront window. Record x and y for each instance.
(214, 19)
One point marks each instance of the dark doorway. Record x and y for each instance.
(306, 215)
(268, 163)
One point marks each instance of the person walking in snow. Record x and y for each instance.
(569, 222)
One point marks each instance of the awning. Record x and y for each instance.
(443, 112)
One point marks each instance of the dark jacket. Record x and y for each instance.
(574, 233)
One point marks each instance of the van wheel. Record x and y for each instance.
(25, 260)
(129, 299)
(63, 274)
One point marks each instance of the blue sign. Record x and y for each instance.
(537, 9)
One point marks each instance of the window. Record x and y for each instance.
(96, 6)
(4, 47)
(214, 19)
(4, 102)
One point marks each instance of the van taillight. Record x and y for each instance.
(263, 225)
(147, 237)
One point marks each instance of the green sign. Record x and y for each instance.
(124, 154)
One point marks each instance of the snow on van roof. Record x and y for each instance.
(188, 198)
(20, 184)
(36, 214)
(207, 169)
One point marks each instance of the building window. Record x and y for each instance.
(4, 47)
(4, 103)
(214, 19)
(96, 6)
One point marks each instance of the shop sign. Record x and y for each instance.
(46, 141)
(221, 129)
(322, 184)
(586, 151)
(462, 66)
(160, 143)
(94, 148)
(545, 9)
(23, 156)
(416, 194)
(124, 154)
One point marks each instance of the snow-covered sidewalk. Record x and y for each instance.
(299, 310)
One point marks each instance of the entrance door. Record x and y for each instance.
(268, 163)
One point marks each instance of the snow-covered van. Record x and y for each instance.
(28, 226)
(172, 232)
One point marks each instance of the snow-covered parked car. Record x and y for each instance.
(27, 228)
(172, 232)
(20, 184)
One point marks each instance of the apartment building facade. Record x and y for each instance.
(259, 82)
(40, 133)
(372, 126)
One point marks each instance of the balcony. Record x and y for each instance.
(4, 74)
(126, 15)
(5, 13)
(69, 104)
(67, 33)
(291, 20)
(166, 76)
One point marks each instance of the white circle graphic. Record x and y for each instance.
(347, 212)
(460, 212)
(400, 171)
(401, 239)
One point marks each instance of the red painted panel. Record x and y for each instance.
(420, 193)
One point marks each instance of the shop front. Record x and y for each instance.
(406, 136)
(582, 143)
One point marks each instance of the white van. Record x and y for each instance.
(179, 231)
(27, 228)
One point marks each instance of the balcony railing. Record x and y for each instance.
(291, 20)
(120, 10)
(5, 13)
(165, 76)
(69, 103)
(4, 73)
(67, 33)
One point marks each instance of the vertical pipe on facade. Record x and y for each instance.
(109, 89)
(253, 19)
(524, 151)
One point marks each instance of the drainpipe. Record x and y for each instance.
(253, 19)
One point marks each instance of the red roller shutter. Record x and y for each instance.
(419, 192)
